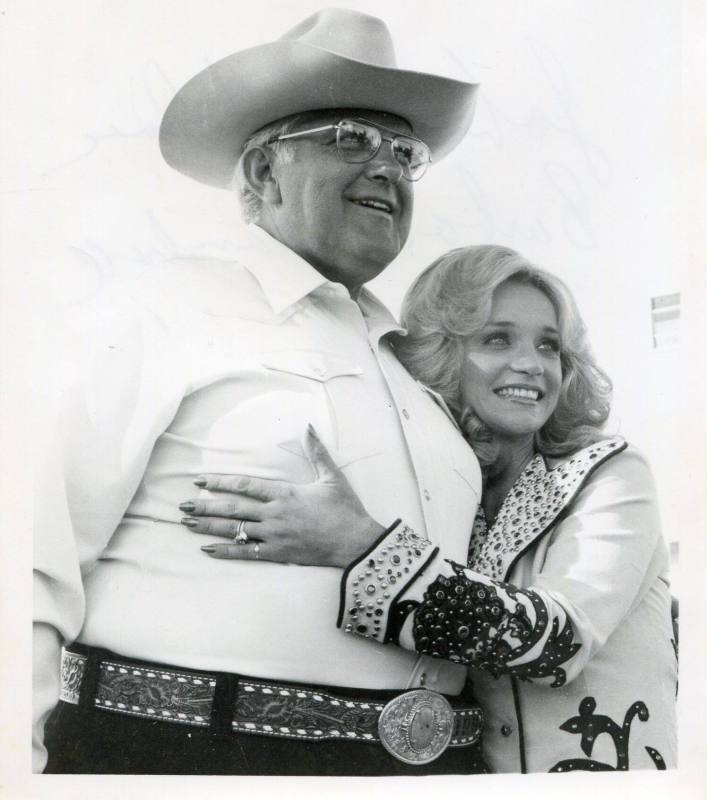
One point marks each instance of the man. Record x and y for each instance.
(176, 663)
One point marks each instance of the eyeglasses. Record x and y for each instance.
(358, 141)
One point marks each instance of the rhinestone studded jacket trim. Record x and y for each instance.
(469, 618)
(374, 583)
(531, 508)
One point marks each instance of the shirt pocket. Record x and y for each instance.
(336, 391)
(314, 365)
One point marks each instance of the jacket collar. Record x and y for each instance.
(532, 506)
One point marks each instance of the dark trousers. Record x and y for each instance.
(95, 741)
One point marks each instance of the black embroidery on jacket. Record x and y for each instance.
(466, 621)
(590, 725)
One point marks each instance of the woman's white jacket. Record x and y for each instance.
(562, 614)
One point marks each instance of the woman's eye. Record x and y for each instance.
(496, 338)
(550, 345)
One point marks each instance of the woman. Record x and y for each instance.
(563, 609)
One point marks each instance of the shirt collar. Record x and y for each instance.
(287, 278)
(284, 277)
(379, 320)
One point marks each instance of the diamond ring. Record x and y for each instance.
(240, 537)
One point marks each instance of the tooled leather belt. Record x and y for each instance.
(415, 726)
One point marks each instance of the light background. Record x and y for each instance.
(582, 156)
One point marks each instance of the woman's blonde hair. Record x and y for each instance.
(452, 299)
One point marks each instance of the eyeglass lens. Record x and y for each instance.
(358, 142)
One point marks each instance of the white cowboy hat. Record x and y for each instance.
(334, 59)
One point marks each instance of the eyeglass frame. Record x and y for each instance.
(337, 127)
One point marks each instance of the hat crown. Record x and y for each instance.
(336, 58)
(346, 33)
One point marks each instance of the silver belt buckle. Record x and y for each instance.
(417, 726)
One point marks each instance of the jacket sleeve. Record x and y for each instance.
(603, 557)
(111, 397)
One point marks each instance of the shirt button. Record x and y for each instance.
(406, 414)
(506, 730)
(427, 494)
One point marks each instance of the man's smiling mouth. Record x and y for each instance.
(379, 205)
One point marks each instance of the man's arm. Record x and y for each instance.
(113, 395)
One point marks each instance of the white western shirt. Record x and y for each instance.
(214, 366)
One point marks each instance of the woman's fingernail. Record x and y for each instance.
(200, 481)
(188, 506)
(209, 548)
(190, 522)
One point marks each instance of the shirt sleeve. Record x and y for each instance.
(110, 392)
(602, 559)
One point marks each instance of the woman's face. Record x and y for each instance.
(511, 372)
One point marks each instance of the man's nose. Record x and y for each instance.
(384, 166)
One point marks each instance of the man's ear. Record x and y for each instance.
(257, 167)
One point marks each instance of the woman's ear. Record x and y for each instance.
(257, 165)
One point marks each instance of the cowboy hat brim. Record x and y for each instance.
(212, 115)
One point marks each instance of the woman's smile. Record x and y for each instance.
(523, 394)
(511, 373)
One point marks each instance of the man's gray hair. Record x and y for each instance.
(251, 204)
